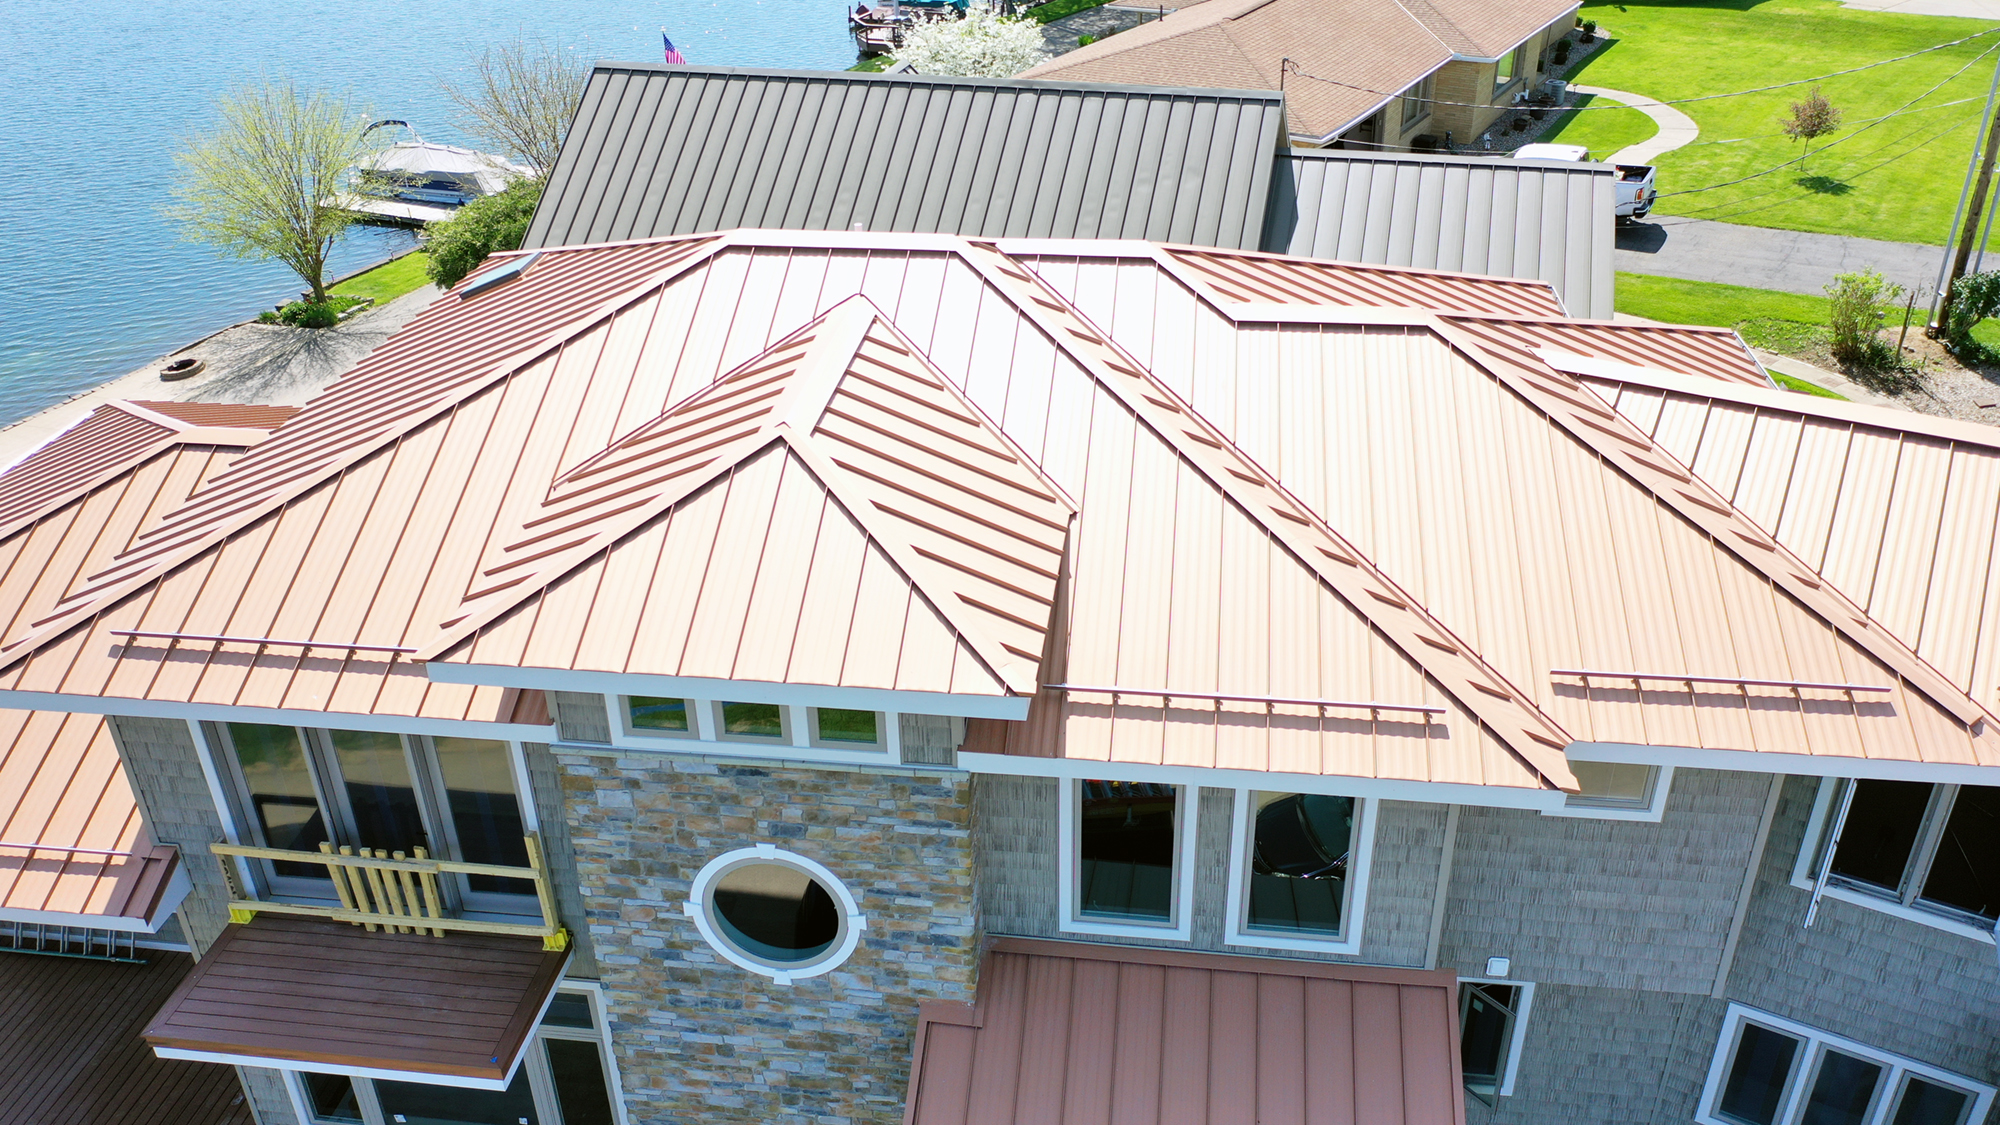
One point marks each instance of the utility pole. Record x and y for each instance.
(1953, 266)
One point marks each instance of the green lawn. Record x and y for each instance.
(1602, 131)
(389, 280)
(1057, 9)
(1706, 302)
(1897, 181)
(1793, 383)
(874, 64)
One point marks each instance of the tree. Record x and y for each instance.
(265, 183)
(1857, 305)
(495, 222)
(1810, 120)
(519, 98)
(985, 44)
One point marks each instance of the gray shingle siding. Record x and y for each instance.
(1509, 218)
(930, 740)
(1885, 981)
(579, 716)
(667, 150)
(546, 777)
(164, 768)
(1606, 903)
(1603, 1056)
(270, 1102)
(1016, 838)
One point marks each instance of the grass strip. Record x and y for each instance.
(387, 281)
(1794, 383)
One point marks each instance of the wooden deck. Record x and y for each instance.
(70, 1052)
(311, 991)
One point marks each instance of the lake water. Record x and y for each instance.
(95, 94)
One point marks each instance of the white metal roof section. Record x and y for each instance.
(668, 150)
(1505, 218)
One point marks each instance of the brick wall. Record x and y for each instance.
(699, 1039)
(1885, 981)
(164, 768)
(1017, 824)
(1606, 903)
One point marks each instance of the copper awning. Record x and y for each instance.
(1067, 1032)
(305, 994)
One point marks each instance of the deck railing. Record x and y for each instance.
(397, 892)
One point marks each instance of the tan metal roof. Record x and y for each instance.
(72, 846)
(1064, 1031)
(1287, 486)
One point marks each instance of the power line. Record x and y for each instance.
(1906, 105)
(1290, 67)
(1858, 121)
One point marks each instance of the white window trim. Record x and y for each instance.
(545, 1106)
(1651, 812)
(1803, 870)
(696, 908)
(810, 715)
(1517, 1036)
(704, 715)
(1181, 925)
(1352, 915)
(1895, 1067)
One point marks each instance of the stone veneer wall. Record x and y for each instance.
(697, 1038)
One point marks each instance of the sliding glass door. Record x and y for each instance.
(454, 797)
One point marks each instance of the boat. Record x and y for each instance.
(414, 181)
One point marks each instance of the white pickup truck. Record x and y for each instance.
(1635, 181)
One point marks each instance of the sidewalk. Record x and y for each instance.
(259, 363)
(1675, 128)
(1763, 258)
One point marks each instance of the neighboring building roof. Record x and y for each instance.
(667, 150)
(343, 1000)
(1505, 218)
(1065, 1031)
(1372, 48)
(1483, 29)
(73, 849)
(1317, 531)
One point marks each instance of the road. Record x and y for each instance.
(1765, 258)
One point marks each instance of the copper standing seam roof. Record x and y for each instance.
(1083, 1034)
(305, 991)
(879, 488)
(73, 849)
(1327, 499)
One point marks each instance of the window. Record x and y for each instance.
(775, 913)
(752, 722)
(1772, 1071)
(1417, 102)
(653, 715)
(565, 1078)
(846, 730)
(1298, 871)
(1928, 848)
(1492, 1018)
(1511, 67)
(453, 797)
(1124, 844)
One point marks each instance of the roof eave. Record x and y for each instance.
(960, 704)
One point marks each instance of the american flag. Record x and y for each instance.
(673, 56)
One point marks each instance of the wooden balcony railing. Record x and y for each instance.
(399, 893)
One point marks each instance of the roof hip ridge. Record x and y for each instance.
(1617, 440)
(1511, 714)
(156, 554)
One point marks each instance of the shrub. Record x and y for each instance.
(1861, 301)
(1974, 297)
(1590, 31)
(305, 314)
(1561, 52)
(497, 222)
(985, 44)
(1085, 40)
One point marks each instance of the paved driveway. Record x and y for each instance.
(1769, 259)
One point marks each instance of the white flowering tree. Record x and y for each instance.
(985, 44)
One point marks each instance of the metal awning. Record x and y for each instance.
(1068, 1031)
(305, 994)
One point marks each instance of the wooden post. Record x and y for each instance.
(428, 880)
(553, 937)
(358, 894)
(406, 885)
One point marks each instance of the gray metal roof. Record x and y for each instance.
(1509, 218)
(660, 150)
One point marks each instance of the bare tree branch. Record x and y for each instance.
(265, 182)
(519, 98)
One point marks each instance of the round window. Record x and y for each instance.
(775, 913)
